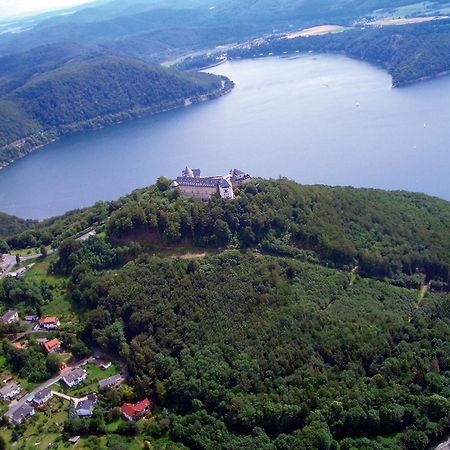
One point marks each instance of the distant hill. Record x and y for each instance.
(410, 53)
(10, 225)
(89, 90)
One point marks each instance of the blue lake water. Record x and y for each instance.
(317, 119)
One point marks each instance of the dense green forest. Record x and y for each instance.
(89, 92)
(273, 353)
(162, 28)
(409, 52)
(303, 329)
(385, 233)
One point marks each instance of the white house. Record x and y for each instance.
(42, 397)
(22, 413)
(10, 391)
(49, 323)
(74, 377)
(10, 316)
(85, 408)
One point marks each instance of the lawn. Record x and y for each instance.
(60, 306)
(94, 374)
(44, 428)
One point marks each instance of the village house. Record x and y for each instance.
(9, 317)
(22, 413)
(102, 363)
(52, 346)
(192, 184)
(137, 410)
(113, 381)
(84, 408)
(19, 345)
(42, 397)
(31, 318)
(10, 391)
(49, 323)
(74, 377)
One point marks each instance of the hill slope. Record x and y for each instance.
(271, 349)
(89, 91)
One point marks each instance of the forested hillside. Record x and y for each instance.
(304, 317)
(11, 226)
(409, 52)
(87, 92)
(270, 353)
(385, 233)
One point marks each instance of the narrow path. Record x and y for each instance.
(422, 292)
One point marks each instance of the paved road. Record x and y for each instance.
(17, 404)
(7, 261)
(97, 353)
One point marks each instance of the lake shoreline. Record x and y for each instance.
(53, 135)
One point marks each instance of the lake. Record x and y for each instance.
(317, 119)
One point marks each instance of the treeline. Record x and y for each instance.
(409, 52)
(273, 353)
(384, 233)
(90, 92)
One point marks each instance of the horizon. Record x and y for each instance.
(19, 9)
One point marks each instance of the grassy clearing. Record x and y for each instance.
(60, 306)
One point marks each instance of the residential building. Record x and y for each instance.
(74, 377)
(110, 382)
(42, 397)
(22, 413)
(9, 317)
(137, 410)
(10, 391)
(49, 323)
(102, 363)
(52, 345)
(18, 345)
(31, 318)
(74, 439)
(84, 408)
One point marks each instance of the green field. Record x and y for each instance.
(60, 306)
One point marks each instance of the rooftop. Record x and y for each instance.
(10, 314)
(73, 375)
(42, 394)
(110, 381)
(22, 412)
(10, 387)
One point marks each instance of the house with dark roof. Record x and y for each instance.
(42, 397)
(52, 345)
(192, 184)
(9, 317)
(84, 408)
(110, 382)
(22, 413)
(74, 377)
(137, 410)
(10, 391)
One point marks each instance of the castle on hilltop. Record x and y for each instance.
(192, 184)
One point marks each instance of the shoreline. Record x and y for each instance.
(116, 118)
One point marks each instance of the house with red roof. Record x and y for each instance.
(137, 410)
(49, 323)
(53, 345)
